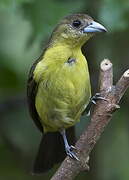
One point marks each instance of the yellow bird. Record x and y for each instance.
(59, 88)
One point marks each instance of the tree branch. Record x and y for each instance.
(101, 116)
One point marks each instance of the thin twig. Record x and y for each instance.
(100, 118)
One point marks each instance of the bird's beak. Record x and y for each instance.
(94, 27)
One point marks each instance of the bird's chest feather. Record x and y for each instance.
(66, 75)
(64, 85)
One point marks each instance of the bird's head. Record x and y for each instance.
(76, 29)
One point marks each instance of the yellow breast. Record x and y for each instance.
(64, 87)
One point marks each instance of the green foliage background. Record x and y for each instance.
(24, 27)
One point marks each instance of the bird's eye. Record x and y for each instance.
(76, 23)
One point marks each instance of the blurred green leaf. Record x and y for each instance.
(114, 14)
(12, 3)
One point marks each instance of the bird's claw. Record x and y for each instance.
(70, 153)
(72, 147)
(93, 100)
(96, 97)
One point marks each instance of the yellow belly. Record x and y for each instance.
(63, 92)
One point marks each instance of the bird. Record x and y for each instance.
(59, 89)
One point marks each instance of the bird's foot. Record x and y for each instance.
(96, 97)
(93, 100)
(69, 151)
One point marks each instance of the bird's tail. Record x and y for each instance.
(51, 150)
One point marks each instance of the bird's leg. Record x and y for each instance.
(68, 148)
(93, 100)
